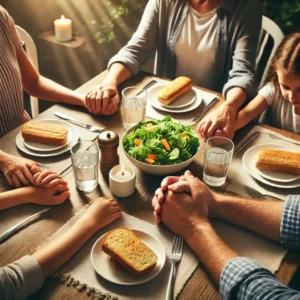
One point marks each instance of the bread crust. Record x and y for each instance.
(119, 258)
(278, 161)
(174, 90)
(45, 134)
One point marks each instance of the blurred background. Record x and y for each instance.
(102, 27)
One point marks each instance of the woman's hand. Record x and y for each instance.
(52, 196)
(220, 122)
(18, 171)
(48, 179)
(103, 99)
(102, 212)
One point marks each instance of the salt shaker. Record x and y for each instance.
(108, 143)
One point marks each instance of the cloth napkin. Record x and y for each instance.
(80, 268)
(183, 118)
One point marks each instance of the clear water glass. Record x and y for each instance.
(134, 102)
(218, 155)
(85, 163)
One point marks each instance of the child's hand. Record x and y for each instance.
(52, 196)
(102, 212)
(48, 179)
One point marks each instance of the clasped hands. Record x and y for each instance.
(103, 99)
(183, 203)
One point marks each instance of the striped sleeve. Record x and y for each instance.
(11, 29)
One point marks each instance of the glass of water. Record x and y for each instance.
(218, 155)
(134, 102)
(85, 161)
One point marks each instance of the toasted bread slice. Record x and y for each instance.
(278, 161)
(129, 251)
(45, 134)
(174, 90)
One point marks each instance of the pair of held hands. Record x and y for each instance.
(104, 98)
(41, 187)
(183, 202)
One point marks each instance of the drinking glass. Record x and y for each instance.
(85, 160)
(218, 155)
(134, 101)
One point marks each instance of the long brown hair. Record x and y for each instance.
(286, 59)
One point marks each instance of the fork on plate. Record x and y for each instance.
(256, 194)
(175, 258)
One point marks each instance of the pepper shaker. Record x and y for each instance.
(108, 143)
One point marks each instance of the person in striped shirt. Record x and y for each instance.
(185, 204)
(17, 73)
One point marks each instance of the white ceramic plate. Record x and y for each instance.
(192, 101)
(275, 179)
(43, 147)
(73, 131)
(183, 101)
(105, 268)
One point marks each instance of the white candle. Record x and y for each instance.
(122, 180)
(63, 29)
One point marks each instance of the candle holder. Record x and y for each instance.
(122, 180)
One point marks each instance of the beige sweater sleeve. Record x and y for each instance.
(20, 279)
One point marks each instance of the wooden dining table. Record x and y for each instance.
(33, 236)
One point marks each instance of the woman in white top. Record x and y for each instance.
(211, 41)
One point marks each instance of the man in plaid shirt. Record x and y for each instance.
(185, 205)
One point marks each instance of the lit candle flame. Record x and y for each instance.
(123, 170)
(62, 17)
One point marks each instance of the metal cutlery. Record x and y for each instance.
(258, 195)
(246, 143)
(208, 106)
(6, 234)
(79, 123)
(150, 83)
(175, 258)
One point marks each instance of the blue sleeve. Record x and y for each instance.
(290, 223)
(245, 279)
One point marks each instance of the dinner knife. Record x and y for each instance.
(209, 105)
(6, 234)
(91, 128)
(150, 83)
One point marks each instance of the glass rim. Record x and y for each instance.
(221, 137)
(84, 141)
(141, 89)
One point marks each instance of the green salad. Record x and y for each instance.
(162, 142)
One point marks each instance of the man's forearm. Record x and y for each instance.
(210, 249)
(57, 252)
(263, 217)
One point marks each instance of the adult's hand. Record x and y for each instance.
(182, 211)
(18, 170)
(220, 122)
(159, 196)
(103, 99)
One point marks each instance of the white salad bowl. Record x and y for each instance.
(154, 169)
